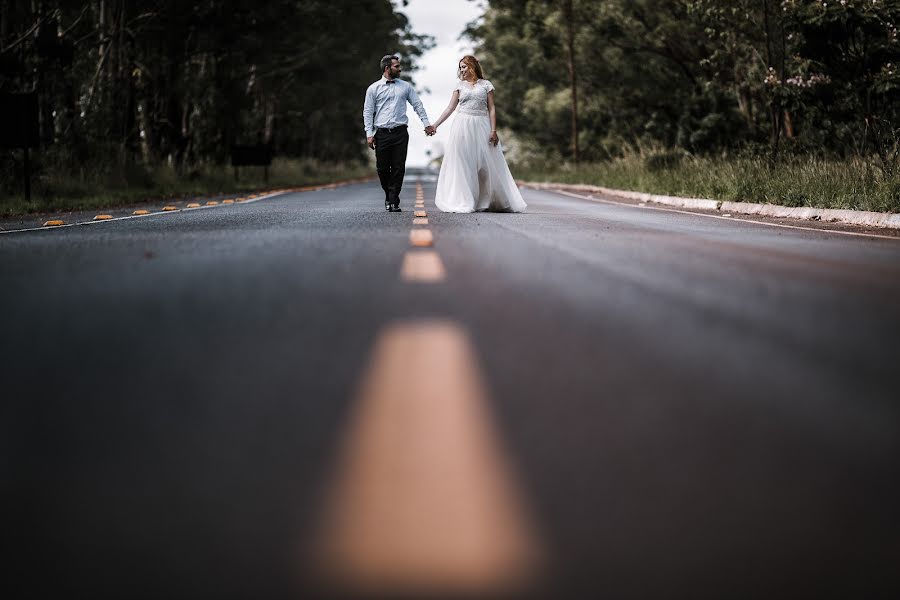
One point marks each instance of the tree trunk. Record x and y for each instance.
(573, 74)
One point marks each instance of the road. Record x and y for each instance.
(267, 399)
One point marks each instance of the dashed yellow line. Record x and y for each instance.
(420, 221)
(103, 217)
(140, 212)
(421, 213)
(421, 237)
(425, 501)
(212, 203)
(54, 223)
(193, 205)
(170, 208)
(423, 266)
(227, 201)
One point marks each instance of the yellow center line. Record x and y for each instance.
(423, 266)
(420, 221)
(421, 237)
(424, 501)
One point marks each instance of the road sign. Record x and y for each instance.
(19, 120)
(251, 156)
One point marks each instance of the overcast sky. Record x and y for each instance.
(436, 76)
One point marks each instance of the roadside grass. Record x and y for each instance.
(809, 182)
(59, 192)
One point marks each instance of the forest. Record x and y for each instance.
(786, 101)
(131, 90)
(704, 96)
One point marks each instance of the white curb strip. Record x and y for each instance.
(854, 217)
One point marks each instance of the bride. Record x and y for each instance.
(474, 175)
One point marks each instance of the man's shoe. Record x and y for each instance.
(395, 208)
(387, 204)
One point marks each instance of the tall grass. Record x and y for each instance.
(60, 190)
(807, 181)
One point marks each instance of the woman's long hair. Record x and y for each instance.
(474, 67)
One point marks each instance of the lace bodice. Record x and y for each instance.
(473, 97)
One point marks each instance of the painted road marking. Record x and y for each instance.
(424, 500)
(227, 201)
(103, 217)
(421, 237)
(212, 203)
(165, 210)
(141, 212)
(732, 219)
(193, 205)
(423, 266)
(421, 213)
(420, 221)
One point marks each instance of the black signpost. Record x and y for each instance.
(19, 127)
(251, 156)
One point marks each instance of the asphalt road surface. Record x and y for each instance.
(590, 399)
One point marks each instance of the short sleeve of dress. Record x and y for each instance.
(488, 85)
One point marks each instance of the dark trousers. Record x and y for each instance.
(390, 160)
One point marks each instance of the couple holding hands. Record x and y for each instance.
(474, 175)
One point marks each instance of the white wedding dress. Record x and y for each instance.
(474, 175)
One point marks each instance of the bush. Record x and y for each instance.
(797, 181)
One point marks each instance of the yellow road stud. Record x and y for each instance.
(141, 212)
(421, 213)
(421, 237)
(420, 221)
(193, 205)
(103, 217)
(170, 208)
(54, 223)
(227, 201)
(212, 203)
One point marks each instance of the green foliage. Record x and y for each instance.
(175, 84)
(58, 190)
(798, 181)
(773, 78)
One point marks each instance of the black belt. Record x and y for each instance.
(392, 129)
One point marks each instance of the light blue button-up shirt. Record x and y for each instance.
(386, 105)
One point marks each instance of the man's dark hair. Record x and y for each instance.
(386, 61)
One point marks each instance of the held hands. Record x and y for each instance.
(430, 130)
(494, 139)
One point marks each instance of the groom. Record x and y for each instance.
(384, 116)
